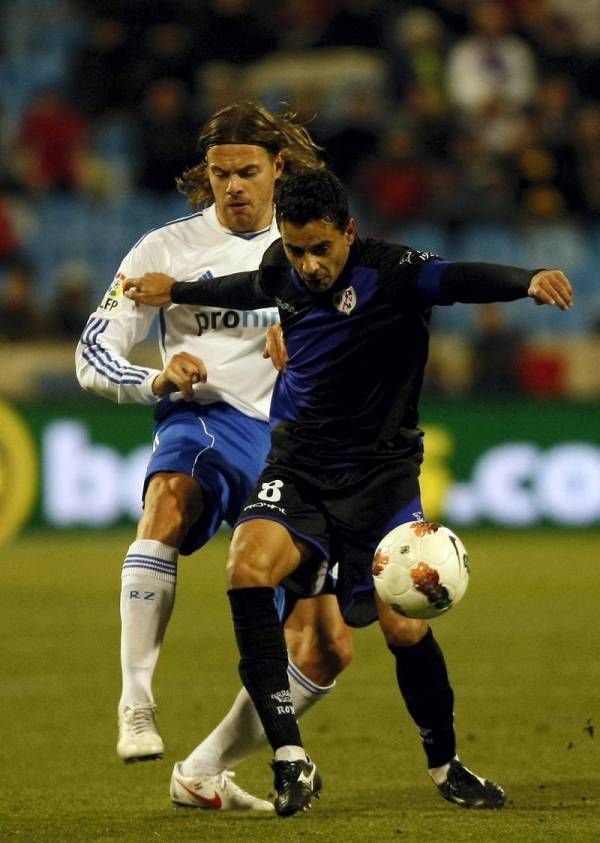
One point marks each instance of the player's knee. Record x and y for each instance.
(247, 566)
(405, 632)
(252, 560)
(243, 573)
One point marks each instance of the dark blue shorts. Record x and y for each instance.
(223, 449)
(342, 514)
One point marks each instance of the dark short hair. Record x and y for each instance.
(313, 195)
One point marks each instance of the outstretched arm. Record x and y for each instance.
(445, 283)
(241, 291)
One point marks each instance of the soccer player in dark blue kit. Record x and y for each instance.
(345, 452)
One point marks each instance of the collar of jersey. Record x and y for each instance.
(210, 214)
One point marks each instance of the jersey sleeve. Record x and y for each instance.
(401, 268)
(445, 283)
(425, 279)
(239, 291)
(115, 327)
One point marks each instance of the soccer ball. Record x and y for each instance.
(421, 569)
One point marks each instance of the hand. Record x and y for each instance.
(154, 288)
(181, 373)
(275, 348)
(551, 286)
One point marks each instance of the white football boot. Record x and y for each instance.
(213, 793)
(139, 738)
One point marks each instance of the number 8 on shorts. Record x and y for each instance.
(270, 491)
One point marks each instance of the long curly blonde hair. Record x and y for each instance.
(250, 123)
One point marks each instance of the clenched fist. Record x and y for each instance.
(551, 286)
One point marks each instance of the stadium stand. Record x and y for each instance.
(501, 174)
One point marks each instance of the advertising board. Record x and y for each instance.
(81, 464)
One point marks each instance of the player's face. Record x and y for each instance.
(318, 251)
(242, 178)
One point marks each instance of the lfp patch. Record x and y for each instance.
(114, 293)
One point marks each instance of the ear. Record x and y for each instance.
(278, 164)
(351, 231)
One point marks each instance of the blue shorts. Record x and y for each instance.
(223, 449)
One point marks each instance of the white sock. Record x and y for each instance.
(148, 583)
(240, 732)
(290, 753)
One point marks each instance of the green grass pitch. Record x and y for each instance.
(523, 653)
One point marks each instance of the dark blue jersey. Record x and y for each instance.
(357, 352)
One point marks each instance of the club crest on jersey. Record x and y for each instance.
(346, 300)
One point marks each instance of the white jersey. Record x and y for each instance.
(229, 341)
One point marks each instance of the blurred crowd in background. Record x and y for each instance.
(466, 127)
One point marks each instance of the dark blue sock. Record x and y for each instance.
(423, 681)
(263, 662)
